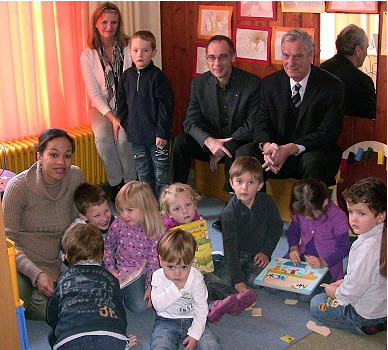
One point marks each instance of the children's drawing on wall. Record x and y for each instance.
(200, 60)
(260, 10)
(303, 6)
(213, 20)
(252, 43)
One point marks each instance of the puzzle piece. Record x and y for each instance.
(322, 330)
(250, 307)
(290, 301)
(256, 311)
(287, 338)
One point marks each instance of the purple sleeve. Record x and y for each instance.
(153, 259)
(109, 249)
(341, 252)
(293, 234)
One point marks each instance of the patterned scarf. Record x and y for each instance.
(112, 72)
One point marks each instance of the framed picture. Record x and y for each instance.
(252, 44)
(256, 10)
(383, 49)
(214, 20)
(276, 41)
(303, 6)
(200, 64)
(353, 6)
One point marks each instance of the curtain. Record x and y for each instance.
(40, 78)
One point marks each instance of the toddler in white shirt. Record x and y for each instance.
(179, 296)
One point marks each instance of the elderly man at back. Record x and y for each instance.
(300, 116)
(360, 95)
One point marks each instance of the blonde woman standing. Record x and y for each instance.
(102, 64)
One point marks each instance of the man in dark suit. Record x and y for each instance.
(300, 117)
(360, 95)
(221, 112)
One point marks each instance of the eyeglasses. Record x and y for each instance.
(221, 58)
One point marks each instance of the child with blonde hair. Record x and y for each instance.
(132, 241)
(178, 204)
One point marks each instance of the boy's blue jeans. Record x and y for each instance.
(325, 312)
(152, 165)
(134, 294)
(94, 342)
(168, 334)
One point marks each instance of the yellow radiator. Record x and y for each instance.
(21, 155)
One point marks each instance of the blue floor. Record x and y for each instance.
(242, 332)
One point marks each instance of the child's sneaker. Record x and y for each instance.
(220, 307)
(370, 330)
(244, 300)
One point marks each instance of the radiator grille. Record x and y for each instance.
(21, 155)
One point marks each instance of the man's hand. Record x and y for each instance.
(275, 155)
(261, 260)
(190, 343)
(294, 255)
(216, 146)
(45, 284)
(269, 164)
(213, 163)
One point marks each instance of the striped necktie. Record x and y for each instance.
(296, 95)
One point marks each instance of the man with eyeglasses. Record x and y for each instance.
(220, 115)
(300, 117)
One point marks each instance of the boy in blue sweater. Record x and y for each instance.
(145, 106)
(86, 310)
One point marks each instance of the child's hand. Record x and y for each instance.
(261, 260)
(133, 339)
(115, 273)
(338, 283)
(330, 289)
(241, 287)
(160, 142)
(147, 297)
(315, 262)
(191, 343)
(294, 255)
